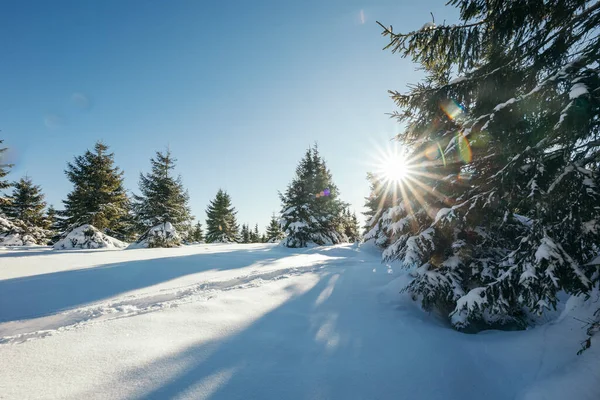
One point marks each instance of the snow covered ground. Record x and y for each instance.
(258, 322)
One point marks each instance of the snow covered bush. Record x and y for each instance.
(163, 235)
(501, 208)
(16, 233)
(86, 237)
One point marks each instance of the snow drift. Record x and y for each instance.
(87, 237)
(163, 235)
(219, 321)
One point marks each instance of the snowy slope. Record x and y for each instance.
(257, 321)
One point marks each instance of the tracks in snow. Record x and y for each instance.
(137, 304)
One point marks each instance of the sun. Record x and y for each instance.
(393, 168)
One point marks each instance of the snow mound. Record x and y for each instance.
(14, 233)
(163, 235)
(87, 237)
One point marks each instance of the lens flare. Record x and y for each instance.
(464, 148)
(453, 110)
(435, 152)
(324, 193)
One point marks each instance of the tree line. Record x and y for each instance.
(99, 199)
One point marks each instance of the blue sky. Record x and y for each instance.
(238, 90)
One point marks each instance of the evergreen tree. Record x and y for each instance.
(245, 234)
(311, 211)
(163, 197)
(197, 234)
(221, 224)
(4, 169)
(501, 211)
(98, 197)
(53, 224)
(380, 200)
(274, 232)
(51, 218)
(351, 227)
(26, 204)
(255, 236)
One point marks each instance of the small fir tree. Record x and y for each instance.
(245, 234)
(162, 196)
(197, 234)
(311, 211)
(274, 232)
(4, 169)
(221, 224)
(255, 235)
(98, 196)
(26, 204)
(351, 227)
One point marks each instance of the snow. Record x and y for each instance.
(457, 80)
(12, 234)
(505, 104)
(526, 221)
(578, 89)
(427, 26)
(260, 321)
(162, 235)
(87, 237)
(442, 213)
(547, 251)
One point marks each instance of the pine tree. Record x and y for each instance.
(197, 234)
(311, 211)
(255, 235)
(163, 198)
(274, 233)
(501, 211)
(351, 227)
(26, 204)
(221, 224)
(245, 234)
(98, 197)
(4, 169)
(381, 198)
(51, 218)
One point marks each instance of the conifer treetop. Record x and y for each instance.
(98, 196)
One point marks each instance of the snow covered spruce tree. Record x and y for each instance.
(197, 233)
(274, 232)
(500, 208)
(161, 209)
(378, 202)
(255, 235)
(4, 169)
(311, 210)
(245, 234)
(221, 224)
(351, 228)
(98, 197)
(24, 208)
(26, 203)
(53, 223)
